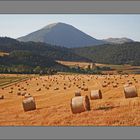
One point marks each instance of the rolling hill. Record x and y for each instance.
(53, 52)
(127, 53)
(29, 55)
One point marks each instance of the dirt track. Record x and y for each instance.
(53, 106)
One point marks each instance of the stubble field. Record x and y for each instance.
(53, 96)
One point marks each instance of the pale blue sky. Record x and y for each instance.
(97, 25)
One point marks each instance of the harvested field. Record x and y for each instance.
(75, 64)
(3, 53)
(8, 79)
(53, 101)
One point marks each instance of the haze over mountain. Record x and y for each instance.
(62, 34)
(118, 40)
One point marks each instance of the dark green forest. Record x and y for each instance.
(40, 58)
(34, 57)
(127, 53)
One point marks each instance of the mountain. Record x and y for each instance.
(62, 34)
(118, 40)
(127, 53)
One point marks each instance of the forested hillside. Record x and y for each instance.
(128, 53)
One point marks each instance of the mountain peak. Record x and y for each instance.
(55, 24)
(61, 34)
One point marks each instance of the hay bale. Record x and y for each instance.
(27, 95)
(56, 88)
(29, 104)
(77, 93)
(104, 85)
(85, 89)
(47, 88)
(126, 85)
(95, 94)
(108, 83)
(10, 91)
(130, 91)
(115, 85)
(19, 93)
(130, 82)
(80, 104)
(1, 97)
(23, 93)
(39, 89)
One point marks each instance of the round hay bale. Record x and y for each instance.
(126, 85)
(25, 89)
(19, 93)
(56, 88)
(23, 93)
(108, 83)
(1, 97)
(130, 82)
(85, 89)
(10, 91)
(115, 85)
(39, 89)
(77, 93)
(104, 85)
(47, 88)
(130, 91)
(80, 104)
(27, 95)
(29, 104)
(95, 94)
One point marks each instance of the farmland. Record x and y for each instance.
(9, 79)
(3, 53)
(53, 96)
(77, 64)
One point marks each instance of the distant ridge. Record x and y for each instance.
(118, 40)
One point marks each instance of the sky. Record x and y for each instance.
(99, 26)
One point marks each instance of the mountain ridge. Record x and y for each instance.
(61, 34)
(121, 40)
